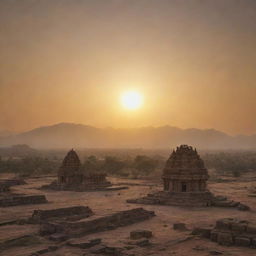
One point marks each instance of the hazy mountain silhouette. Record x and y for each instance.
(67, 135)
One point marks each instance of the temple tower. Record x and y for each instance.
(185, 171)
(69, 172)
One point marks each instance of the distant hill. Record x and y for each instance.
(4, 133)
(68, 135)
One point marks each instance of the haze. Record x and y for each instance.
(69, 61)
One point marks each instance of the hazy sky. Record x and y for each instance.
(194, 61)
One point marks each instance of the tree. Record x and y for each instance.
(144, 164)
(113, 165)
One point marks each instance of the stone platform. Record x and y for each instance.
(83, 187)
(188, 199)
(94, 224)
(176, 199)
(22, 200)
(233, 232)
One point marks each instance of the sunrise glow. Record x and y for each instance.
(131, 100)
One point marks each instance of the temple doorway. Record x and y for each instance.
(183, 187)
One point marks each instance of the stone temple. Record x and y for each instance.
(185, 183)
(185, 172)
(72, 176)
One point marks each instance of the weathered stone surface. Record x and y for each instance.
(107, 250)
(225, 238)
(214, 235)
(72, 213)
(58, 237)
(204, 232)
(180, 226)
(50, 228)
(5, 184)
(240, 227)
(137, 234)
(140, 242)
(108, 222)
(242, 241)
(251, 229)
(243, 207)
(237, 232)
(215, 253)
(46, 250)
(22, 200)
(224, 224)
(85, 245)
(253, 242)
(19, 241)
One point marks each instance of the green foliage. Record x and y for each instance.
(29, 165)
(113, 165)
(233, 163)
(145, 165)
(92, 164)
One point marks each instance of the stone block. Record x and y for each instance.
(137, 234)
(214, 235)
(242, 241)
(72, 212)
(239, 227)
(251, 229)
(224, 224)
(180, 226)
(85, 245)
(253, 242)
(204, 232)
(243, 207)
(225, 238)
(58, 237)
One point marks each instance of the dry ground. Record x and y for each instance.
(165, 241)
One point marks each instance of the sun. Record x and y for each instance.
(131, 100)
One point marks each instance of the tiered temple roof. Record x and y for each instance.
(185, 161)
(71, 164)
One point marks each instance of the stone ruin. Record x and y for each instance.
(185, 183)
(230, 232)
(7, 198)
(59, 230)
(69, 214)
(22, 200)
(5, 184)
(71, 176)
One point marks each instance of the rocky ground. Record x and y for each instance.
(23, 239)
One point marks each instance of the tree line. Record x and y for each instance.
(234, 163)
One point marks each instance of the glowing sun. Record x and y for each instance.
(131, 100)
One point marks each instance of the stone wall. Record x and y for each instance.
(6, 184)
(234, 232)
(75, 212)
(22, 200)
(97, 224)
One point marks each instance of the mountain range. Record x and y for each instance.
(68, 135)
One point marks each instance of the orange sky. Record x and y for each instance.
(68, 61)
